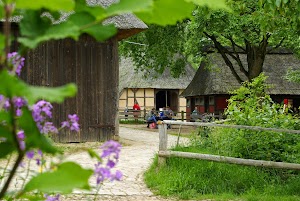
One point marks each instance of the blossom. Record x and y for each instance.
(16, 61)
(52, 198)
(111, 148)
(30, 154)
(118, 175)
(48, 127)
(21, 137)
(71, 123)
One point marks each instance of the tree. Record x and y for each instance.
(20, 132)
(252, 27)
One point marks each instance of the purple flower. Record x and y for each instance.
(111, 148)
(40, 153)
(30, 154)
(74, 127)
(16, 61)
(5, 102)
(38, 161)
(65, 124)
(41, 111)
(71, 123)
(19, 102)
(48, 127)
(110, 164)
(118, 175)
(21, 135)
(101, 173)
(22, 145)
(52, 198)
(18, 112)
(73, 117)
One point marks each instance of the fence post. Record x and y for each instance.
(182, 115)
(163, 141)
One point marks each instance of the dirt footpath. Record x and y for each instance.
(137, 154)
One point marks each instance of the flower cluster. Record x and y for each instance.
(16, 61)
(111, 151)
(17, 101)
(41, 112)
(71, 123)
(30, 155)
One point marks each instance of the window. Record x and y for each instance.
(211, 100)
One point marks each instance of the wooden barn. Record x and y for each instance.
(153, 91)
(94, 67)
(209, 90)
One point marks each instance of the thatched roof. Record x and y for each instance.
(129, 78)
(128, 24)
(219, 79)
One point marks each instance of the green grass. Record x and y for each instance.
(131, 121)
(195, 179)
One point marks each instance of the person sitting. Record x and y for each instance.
(165, 115)
(151, 117)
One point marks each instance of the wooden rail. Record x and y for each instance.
(163, 153)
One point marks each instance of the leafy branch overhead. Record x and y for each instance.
(253, 28)
(43, 21)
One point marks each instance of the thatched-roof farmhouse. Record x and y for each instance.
(94, 67)
(212, 83)
(153, 91)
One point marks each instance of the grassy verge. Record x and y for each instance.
(195, 179)
(131, 121)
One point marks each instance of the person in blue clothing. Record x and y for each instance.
(151, 117)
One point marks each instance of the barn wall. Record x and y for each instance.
(93, 66)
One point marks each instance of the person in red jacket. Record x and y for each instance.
(136, 106)
(136, 109)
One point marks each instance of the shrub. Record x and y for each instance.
(250, 105)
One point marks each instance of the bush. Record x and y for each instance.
(250, 105)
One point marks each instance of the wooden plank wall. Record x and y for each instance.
(93, 66)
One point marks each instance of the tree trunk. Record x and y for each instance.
(256, 57)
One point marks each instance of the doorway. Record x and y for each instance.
(165, 98)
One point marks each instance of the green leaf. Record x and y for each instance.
(12, 86)
(278, 2)
(93, 154)
(129, 6)
(34, 139)
(166, 12)
(97, 11)
(87, 23)
(4, 116)
(214, 4)
(51, 94)
(6, 133)
(6, 148)
(58, 31)
(33, 25)
(54, 5)
(101, 32)
(67, 177)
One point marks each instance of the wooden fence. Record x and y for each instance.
(180, 116)
(163, 153)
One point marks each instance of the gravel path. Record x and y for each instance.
(136, 156)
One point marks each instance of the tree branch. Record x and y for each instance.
(277, 46)
(242, 69)
(20, 151)
(223, 52)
